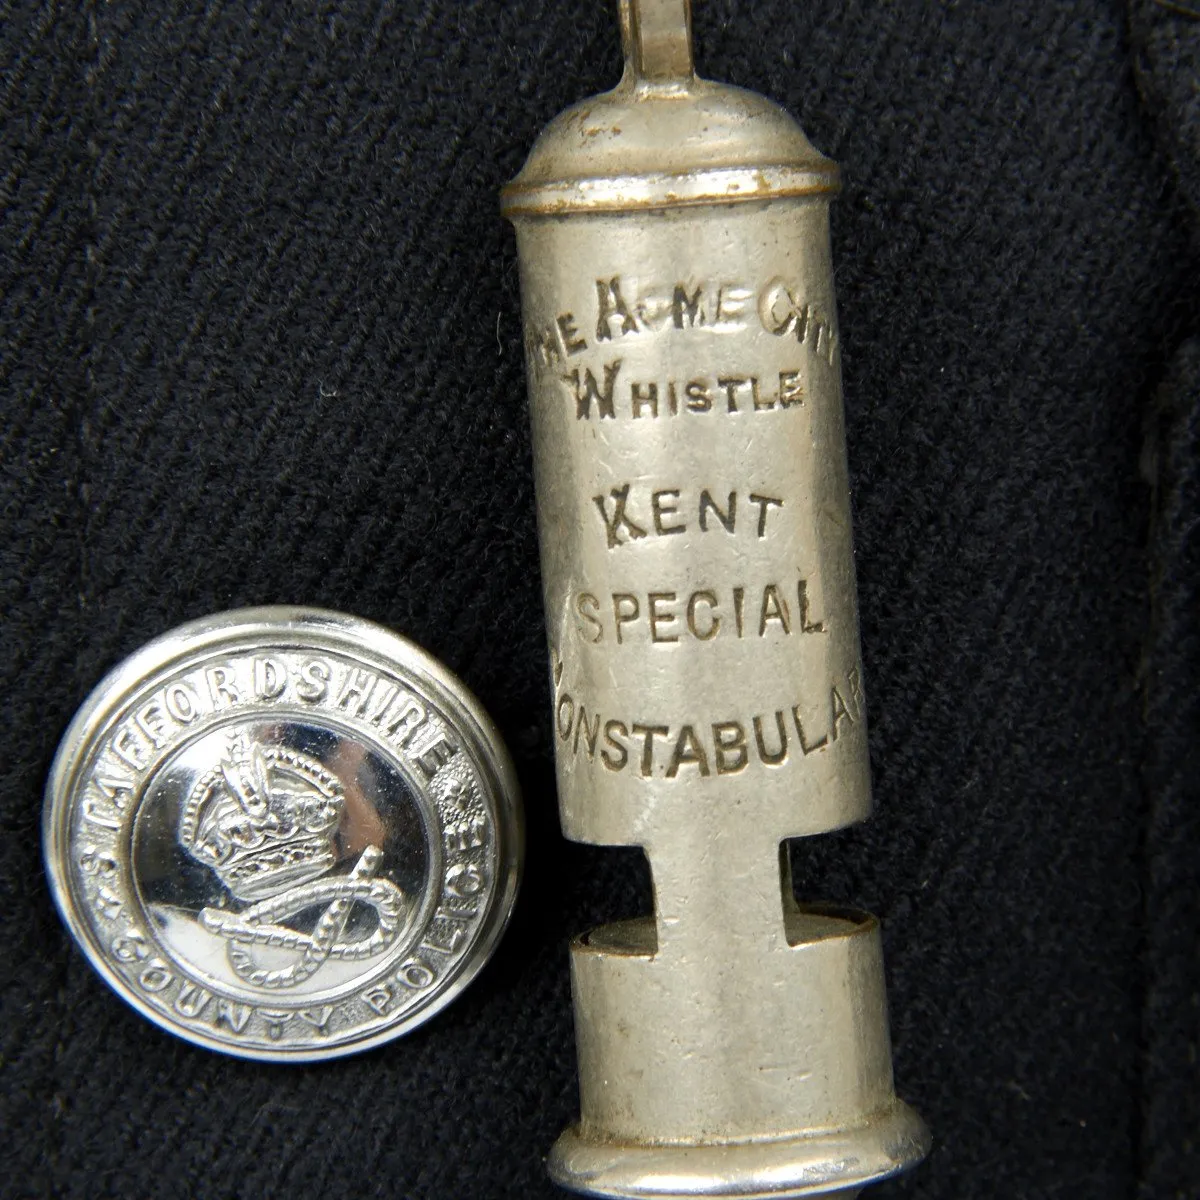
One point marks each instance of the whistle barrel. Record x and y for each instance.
(683, 361)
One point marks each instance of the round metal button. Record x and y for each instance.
(284, 833)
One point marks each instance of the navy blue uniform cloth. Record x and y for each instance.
(260, 342)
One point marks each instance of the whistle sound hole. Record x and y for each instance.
(621, 893)
(804, 923)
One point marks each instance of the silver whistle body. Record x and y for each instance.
(684, 378)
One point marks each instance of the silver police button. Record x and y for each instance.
(284, 833)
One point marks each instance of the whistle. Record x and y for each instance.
(683, 363)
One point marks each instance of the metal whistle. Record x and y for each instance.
(684, 380)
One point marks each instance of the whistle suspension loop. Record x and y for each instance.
(657, 39)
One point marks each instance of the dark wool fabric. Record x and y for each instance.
(259, 342)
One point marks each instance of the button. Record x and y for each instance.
(284, 833)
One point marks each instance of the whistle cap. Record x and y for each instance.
(664, 137)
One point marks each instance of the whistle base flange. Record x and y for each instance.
(826, 1163)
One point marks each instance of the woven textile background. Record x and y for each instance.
(259, 342)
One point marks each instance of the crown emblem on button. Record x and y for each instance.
(264, 819)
